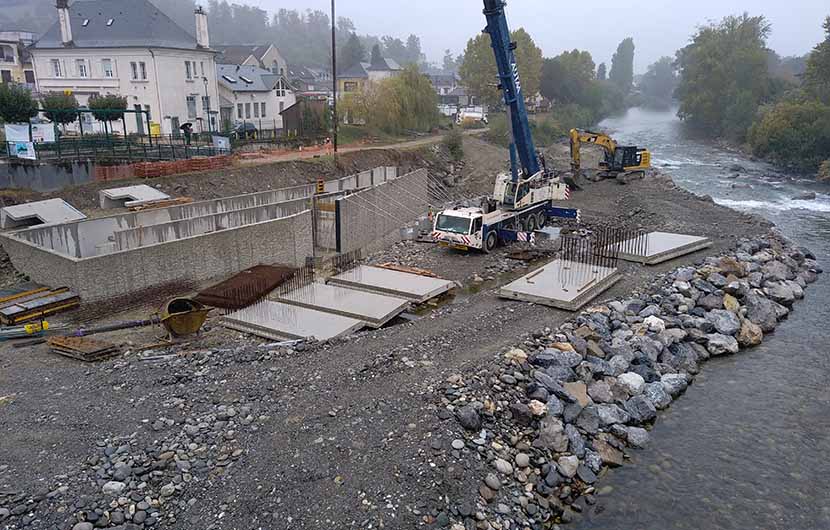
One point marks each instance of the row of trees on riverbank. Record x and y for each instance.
(732, 86)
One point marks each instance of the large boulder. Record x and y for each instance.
(468, 417)
(761, 311)
(656, 393)
(611, 414)
(552, 356)
(725, 322)
(780, 293)
(641, 409)
(722, 344)
(632, 382)
(750, 334)
(776, 271)
(674, 384)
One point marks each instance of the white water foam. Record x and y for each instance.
(782, 205)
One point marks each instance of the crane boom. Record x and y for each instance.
(511, 88)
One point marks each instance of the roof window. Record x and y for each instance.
(242, 77)
(110, 21)
(85, 22)
(229, 79)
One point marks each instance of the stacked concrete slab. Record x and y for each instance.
(130, 196)
(48, 212)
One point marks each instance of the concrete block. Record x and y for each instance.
(48, 212)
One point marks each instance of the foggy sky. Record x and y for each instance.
(659, 27)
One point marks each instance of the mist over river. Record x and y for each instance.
(748, 445)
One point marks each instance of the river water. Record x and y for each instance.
(748, 445)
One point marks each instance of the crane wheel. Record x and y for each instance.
(542, 220)
(530, 224)
(491, 242)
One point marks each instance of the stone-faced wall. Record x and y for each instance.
(371, 217)
(285, 241)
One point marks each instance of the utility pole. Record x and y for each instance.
(334, 79)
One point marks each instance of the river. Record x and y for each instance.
(748, 445)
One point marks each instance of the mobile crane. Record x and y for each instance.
(618, 158)
(523, 199)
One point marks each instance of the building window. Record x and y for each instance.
(206, 105)
(280, 89)
(133, 70)
(149, 114)
(187, 72)
(202, 66)
(282, 106)
(6, 54)
(256, 110)
(239, 111)
(80, 66)
(142, 70)
(248, 110)
(262, 109)
(57, 71)
(191, 107)
(5, 76)
(30, 77)
(106, 67)
(349, 86)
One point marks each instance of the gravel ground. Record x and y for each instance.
(229, 432)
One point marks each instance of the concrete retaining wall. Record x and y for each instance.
(375, 215)
(286, 241)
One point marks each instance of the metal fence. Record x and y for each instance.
(122, 149)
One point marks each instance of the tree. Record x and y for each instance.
(16, 103)
(449, 63)
(622, 65)
(107, 108)
(377, 56)
(659, 82)
(567, 77)
(478, 69)
(724, 76)
(60, 107)
(351, 53)
(406, 102)
(793, 133)
(413, 50)
(601, 73)
(817, 74)
(394, 48)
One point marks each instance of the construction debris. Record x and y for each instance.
(37, 305)
(411, 270)
(161, 204)
(83, 348)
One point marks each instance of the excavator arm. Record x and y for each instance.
(579, 137)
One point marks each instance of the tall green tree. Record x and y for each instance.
(478, 68)
(658, 83)
(406, 102)
(449, 63)
(16, 103)
(107, 108)
(622, 65)
(567, 77)
(351, 53)
(601, 72)
(817, 74)
(413, 50)
(724, 76)
(59, 107)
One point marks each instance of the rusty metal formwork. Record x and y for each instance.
(247, 287)
(83, 348)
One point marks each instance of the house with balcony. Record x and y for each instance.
(15, 60)
(130, 48)
(252, 95)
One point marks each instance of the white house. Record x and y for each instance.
(266, 56)
(130, 48)
(254, 95)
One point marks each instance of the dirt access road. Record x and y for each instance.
(337, 435)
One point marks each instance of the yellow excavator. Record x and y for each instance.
(619, 159)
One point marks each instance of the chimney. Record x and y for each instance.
(63, 20)
(202, 38)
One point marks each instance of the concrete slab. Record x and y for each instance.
(279, 321)
(48, 212)
(661, 246)
(373, 309)
(410, 287)
(562, 284)
(130, 196)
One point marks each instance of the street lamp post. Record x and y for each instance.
(334, 78)
(207, 100)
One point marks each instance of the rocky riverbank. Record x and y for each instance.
(548, 418)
